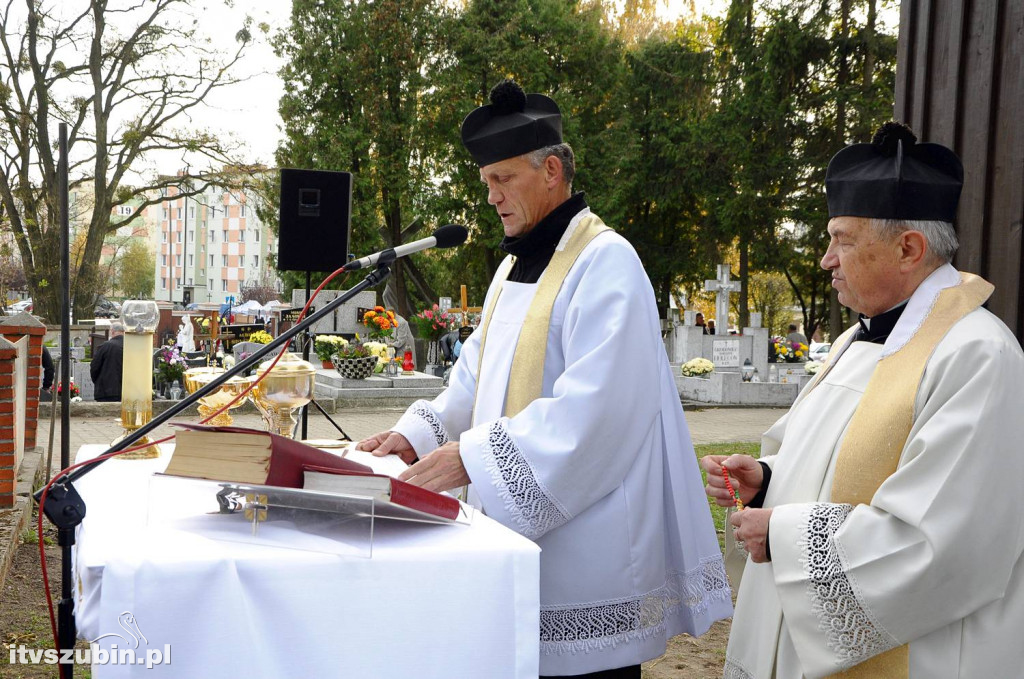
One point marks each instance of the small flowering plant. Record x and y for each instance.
(327, 346)
(261, 337)
(812, 367)
(697, 366)
(170, 365)
(380, 322)
(790, 352)
(72, 389)
(434, 323)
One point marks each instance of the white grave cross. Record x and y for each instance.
(722, 286)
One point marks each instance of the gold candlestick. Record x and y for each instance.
(140, 319)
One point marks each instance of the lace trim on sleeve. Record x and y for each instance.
(850, 630)
(532, 509)
(733, 670)
(421, 415)
(587, 627)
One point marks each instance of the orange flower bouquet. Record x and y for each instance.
(380, 322)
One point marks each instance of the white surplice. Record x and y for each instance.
(935, 559)
(599, 471)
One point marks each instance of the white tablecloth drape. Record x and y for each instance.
(442, 601)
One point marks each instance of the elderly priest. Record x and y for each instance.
(564, 413)
(885, 533)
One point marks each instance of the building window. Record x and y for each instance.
(209, 285)
(190, 260)
(255, 261)
(213, 236)
(225, 235)
(242, 213)
(179, 236)
(165, 214)
(191, 236)
(256, 235)
(163, 236)
(211, 260)
(163, 259)
(224, 285)
(177, 281)
(223, 260)
(192, 212)
(177, 260)
(241, 236)
(163, 283)
(179, 213)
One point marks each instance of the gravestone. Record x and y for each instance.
(345, 319)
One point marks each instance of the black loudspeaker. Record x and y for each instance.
(315, 219)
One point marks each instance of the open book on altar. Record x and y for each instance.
(288, 474)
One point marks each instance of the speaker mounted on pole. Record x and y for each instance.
(315, 219)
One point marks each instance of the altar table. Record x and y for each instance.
(445, 601)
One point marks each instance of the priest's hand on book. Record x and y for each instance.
(745, 475)
(439, 470)
(389, 443)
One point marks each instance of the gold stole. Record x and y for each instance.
(526, 377)
(878, 431)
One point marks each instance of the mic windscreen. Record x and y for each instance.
(450, 235)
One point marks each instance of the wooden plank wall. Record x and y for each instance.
(960, 82)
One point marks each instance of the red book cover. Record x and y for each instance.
(403, 493)
(288, 458)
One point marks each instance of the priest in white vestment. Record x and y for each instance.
(563, 412)
(883, 524)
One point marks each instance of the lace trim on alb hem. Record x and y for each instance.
(608, 624)
(733, 670)
(850, 631)
(532, 510)
(426, 415)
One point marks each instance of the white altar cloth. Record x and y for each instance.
(442, 601)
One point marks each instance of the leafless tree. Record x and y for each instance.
(125, 76)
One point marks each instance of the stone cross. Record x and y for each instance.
(722, 286)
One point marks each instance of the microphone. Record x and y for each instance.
(447, 236)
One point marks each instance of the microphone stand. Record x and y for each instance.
(65, 508)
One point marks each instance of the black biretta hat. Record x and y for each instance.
(894, 177)
(513, 123)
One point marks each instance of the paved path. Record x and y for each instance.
(710, 425)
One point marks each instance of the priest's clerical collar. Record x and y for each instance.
(878, 328)
(534, 250)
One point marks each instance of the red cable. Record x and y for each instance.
(63, 472)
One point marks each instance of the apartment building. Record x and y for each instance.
(209, 245)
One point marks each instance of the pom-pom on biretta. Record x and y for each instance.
(894, 177)
(888, 136)
(513, 123)
(508, 97)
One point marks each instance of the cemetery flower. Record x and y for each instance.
(380, 321)
(812, 367)
(434, 323)
(380, 350)
(782, 349)
(261, 337)
(170, 365)
(326, 346)
(72, 388)
(697, 366)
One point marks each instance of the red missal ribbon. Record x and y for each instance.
(732, 491)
